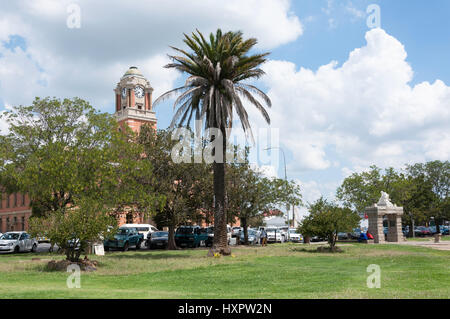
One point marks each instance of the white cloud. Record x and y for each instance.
(363, 112)
(114, 35)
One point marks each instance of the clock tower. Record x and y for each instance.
(134, 101)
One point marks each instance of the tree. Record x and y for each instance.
(178, 183)
(327, 220)
(63, 154)
(361, 190)
(212, 92)
(74, 228)
(437, 173)
(250, 194)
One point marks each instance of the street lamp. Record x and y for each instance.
(285, 178)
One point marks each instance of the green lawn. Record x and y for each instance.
(276, 271)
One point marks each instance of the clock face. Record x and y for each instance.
(139, 91)
(124, 92)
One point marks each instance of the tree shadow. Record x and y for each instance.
(147, 255)
(320, 249)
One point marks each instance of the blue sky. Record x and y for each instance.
(344, 96)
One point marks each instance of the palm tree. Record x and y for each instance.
(213, 91)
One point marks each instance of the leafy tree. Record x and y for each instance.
(178, 183)
(74, 228)
(436, 173)
(250, 194)
(361, 190)
(63, 153)
(212, 92)
(327, 220)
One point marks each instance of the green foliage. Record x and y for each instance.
(327, 219)
(183, 186)
(64, 154)
(73, 229)
(422, 190)
(250, 193)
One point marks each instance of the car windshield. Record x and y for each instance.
(292, 231)
(10, 236)
(185, 230)
(123, 231)
(271, 229)
(160, 234)
(249, 232)
(142, 228)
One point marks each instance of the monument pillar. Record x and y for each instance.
(394, 216)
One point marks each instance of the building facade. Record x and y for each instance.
(133, 107)
(14, 212)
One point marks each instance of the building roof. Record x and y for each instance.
(133, 71)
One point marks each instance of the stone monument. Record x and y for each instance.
(376, 213)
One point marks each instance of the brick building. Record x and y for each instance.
(133, 106)
(14, 212)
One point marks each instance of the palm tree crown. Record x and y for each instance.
(215, 86)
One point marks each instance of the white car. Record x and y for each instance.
(284, 232)
(274, 235)
(144, 229)
(17, 242)
(235, 231)
(294, 236)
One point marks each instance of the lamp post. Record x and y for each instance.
(285, 178)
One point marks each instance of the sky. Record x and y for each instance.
(350, 88)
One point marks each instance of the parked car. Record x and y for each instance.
(144, 229)
(294, 236)
(190, 236)
(210, 235)
(422, 231)
(355, 233)
(157, 239)
(342, 236)
(274, 235)
(253, 237)
(284, 233)
(16, 242)
(125, 238)
(317, 238)
(43, 239)
(235, 231)
(445, 230)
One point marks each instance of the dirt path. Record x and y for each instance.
(442, 245)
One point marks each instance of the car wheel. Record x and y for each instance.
(16, 249)
(106, 248)
(125, 247)
(138, 246)
(33, 249)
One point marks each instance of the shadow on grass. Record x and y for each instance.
(318, 250)
(146, 255)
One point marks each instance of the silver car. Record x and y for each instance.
(16, 242)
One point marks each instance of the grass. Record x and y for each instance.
(276, 271)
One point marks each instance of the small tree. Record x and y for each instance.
(327, 220)
(75, 228)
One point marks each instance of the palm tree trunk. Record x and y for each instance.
(220, 215)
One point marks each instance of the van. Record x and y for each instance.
(144, 229)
